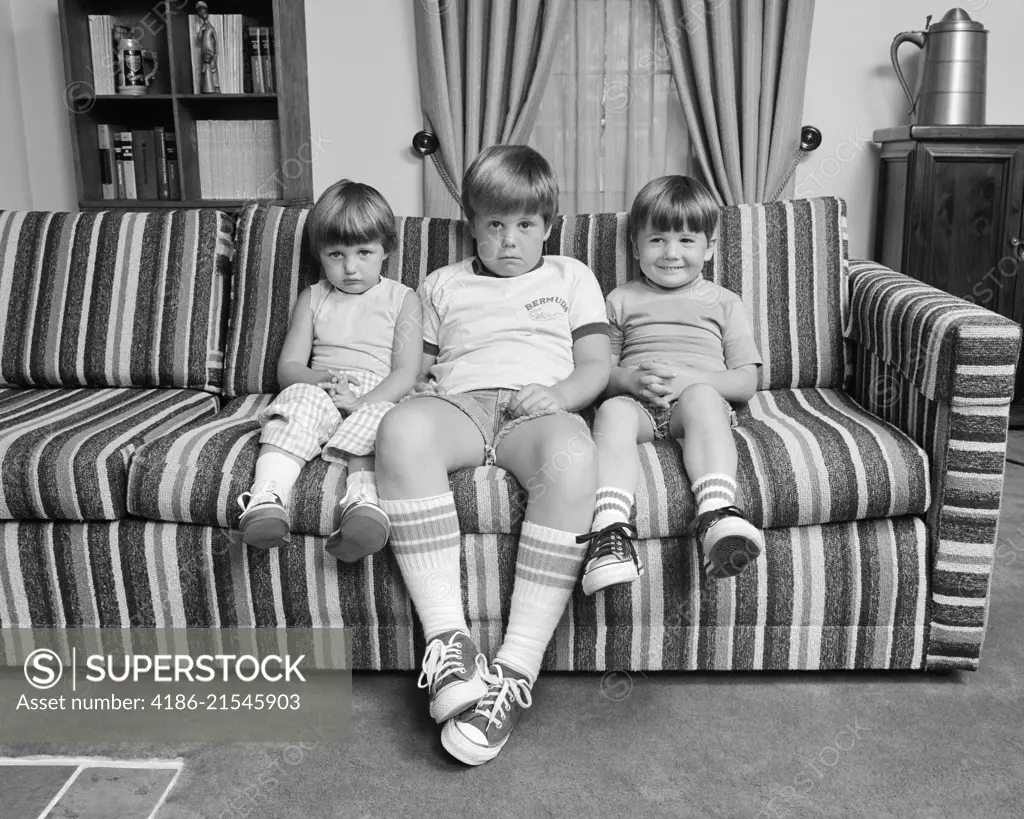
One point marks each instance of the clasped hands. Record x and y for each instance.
(659, 383)
(340, 393)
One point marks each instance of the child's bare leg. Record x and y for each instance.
(554, 458)
(728, 541)
(360, 463)
(611, 557)
(418, 444)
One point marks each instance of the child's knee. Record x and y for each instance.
(698, 399)
(404, 434)
(614, 415)
(567, 462)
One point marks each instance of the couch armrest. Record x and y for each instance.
(942, 370)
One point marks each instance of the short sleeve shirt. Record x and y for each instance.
(701, 325)
(489, 331)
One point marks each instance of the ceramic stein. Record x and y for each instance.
(132, 77)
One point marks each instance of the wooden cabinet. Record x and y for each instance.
(171, 102)
(951, 212)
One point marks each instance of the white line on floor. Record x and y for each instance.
(167, 790)
(61, 792)
(93, 762)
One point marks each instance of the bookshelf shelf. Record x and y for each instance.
(210, 129)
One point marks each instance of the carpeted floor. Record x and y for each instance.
(668, 745)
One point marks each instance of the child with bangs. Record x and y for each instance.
(682, 353)
(515, 343)
(352, 350)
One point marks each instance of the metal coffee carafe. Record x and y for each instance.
(951, 84)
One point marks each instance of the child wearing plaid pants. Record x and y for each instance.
(352, 351)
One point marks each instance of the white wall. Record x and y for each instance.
(852, 91)
(14, 176)
(40, 79)
(364, 94)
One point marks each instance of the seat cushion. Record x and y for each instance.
(113, 299)
(807, 456)
(64, 453)
(197, 475)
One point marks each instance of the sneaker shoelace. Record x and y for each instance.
(615, 539)
(501, 691)
(441, 660)
(255, 500)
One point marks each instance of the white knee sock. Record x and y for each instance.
(275, 473)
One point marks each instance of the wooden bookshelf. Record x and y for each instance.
(171, 101)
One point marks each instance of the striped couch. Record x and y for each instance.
(137, 350)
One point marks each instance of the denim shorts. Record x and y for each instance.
(488, 410)
(661, 416)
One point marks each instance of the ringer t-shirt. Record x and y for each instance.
(701, 325)
(488, 331)
(355, 331)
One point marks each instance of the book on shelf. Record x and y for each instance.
(128, 163)
(173, 183)
(138, 163)
(108, 161)
(101, 47)
(239, 159)
(267, 55)
(235, 56)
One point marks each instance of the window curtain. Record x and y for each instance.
(740, 67)
(483, 66)
(610, 119)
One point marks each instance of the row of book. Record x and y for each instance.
(245, 58)
(138, 163)
(239, 159)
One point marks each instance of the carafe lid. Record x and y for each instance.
(956, 20)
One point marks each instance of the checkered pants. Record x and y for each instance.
(302, 420)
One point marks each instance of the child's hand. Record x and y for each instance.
(340, 393)
(534, 398)
(428, 388)
(653, 382)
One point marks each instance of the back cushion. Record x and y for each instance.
(787, 260)
(113, 299)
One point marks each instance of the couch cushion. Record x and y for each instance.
(796, 466)
(196, 475)
(804, 457)
(113, 299)
(787, 260)
(64, 453)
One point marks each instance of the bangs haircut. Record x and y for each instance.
(505, 179)
(351, 213)
(673, 203)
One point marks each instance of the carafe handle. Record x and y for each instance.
(917, 38)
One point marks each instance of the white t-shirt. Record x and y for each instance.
(488, 331)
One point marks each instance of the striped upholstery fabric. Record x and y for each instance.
(197, 474)
(787, 260)
(805, 457)
(941, 370)
(825, 597)
(64, 453)
(113, 299)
